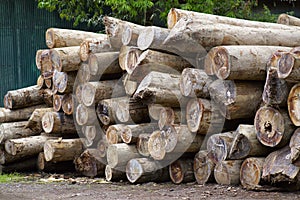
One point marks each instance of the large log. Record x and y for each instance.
(35, 120)
(27, 146)
(24, 97)
(131, 133)
(295, 146)
(54, 167)
(93, 92)
(119, 154)
(57, 37)
(142, 170)
(65, 58)
(154, 111)
(64, 82)
(288, 20)
(157, 145)
(246, 144)
(251, 172)
(195, 83)
(227, 172)
(152, 37)
(236, 99)
(90, 164)
(7, 115)
(57, 122)
(273, 127)
(85, 115)
(293, 104)
(44, 63)
(130, 85)
(289, 66)
(6, 158)
(242, 62)
(128, 57)
(181, 171)
(58, 150)
(203, 168)
(14, 130)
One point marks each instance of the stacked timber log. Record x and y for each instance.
(208, 99)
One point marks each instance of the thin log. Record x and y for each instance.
(152, 37)
(65, 59)
(236, 99)
(58, 150)
(227, 172)
(293, 104)
(113, 174)
(57, 122)
(35, 121)
(44, 63)
(251, 173)
(68, 104)
(84, 74)
(142, 170)
(78, 93)
(128, 57)
(203, 168)
(48, 83)
(40, 82)
(6, 158)
(181, 171)
(156, 145)
(57, 102)
(54, 167)
(273, 127)
(131, 133)
(24, 97)
(85, 115)
(289, 66)
(288, 20)
(92, 135)
(38, 59)
(142, 144)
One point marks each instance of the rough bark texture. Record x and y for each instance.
(288, 20)
(203, 168)
(35, 120)
(293, 104)
(54, 167)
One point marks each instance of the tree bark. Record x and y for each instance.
(14, 130)
(119, 154)
(47, 95)
(65, 59)
(7, 115)
(289, 66)
(273, 127)
(203, 168)
(130, 34)
(113, 174)
(64, 82)
(142, 144)
(57, 37)
(293, 104)
(251, 172)
(227, 172)
(236, 99)
(54, 167)
(85, 115)
(57, 122)
(68, 104)
(35, 121)
(152, 37)
(24, 97)
(128, 57)
(113, 133)
(288, 20)
(131, 133)
(241, 62)
(58, 150)
(181, 171)
(142, 170)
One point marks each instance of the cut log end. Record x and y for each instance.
(285, 65)
(68, 104)
(176, 172)
(126, 36)
(48, 152)
(132, 60)
(250, 172)
(50, 40)
(203, 168)
(156, 146)
(294, 104)
(134, 170)
(88, 94)
(172, 18)
(145, 38)
(84, 50)
(221, 63)
(48, 122)
(194, 114)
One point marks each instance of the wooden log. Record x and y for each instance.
(92, 135)
(218, 146)
(142, 170)
(58, 150)
(94, 45)
(194, 83)
(160, 88)
(273, 127)
(85, 115)
(57, 102)
(288, 20)
(57, 37)
(90, 164)
(130, 34)
(289, 66)
(203, 168)
(227, 172)
(38, 59)
(40, 82)
(113, 174)
(251, 172)
(202, 118)
(102, 147)
(246, 144)
(35, 121)
(293, 104)
(84, 74)
(54, 167)
(119, 154)
(57, 122)
(104, 63)
(181, 171)
(130, 86)
(295, 146)
(152, 37)
(130, 133)
(64, 82)
(158, 60)
(24, 97)
(27, 146)
(128, 57)
(93, 92)
(78, 93)
(27, 165)
(65, 59)
(154, 111)
(215, 35)
(238, 62)
(129, 110)
(7, 115)
(113, 133)
(68, 104)
(48, 83)
(14, 130)
(6, 158)
(157, 145)
(142, 144)
(236, 99)
(44, 63)
(176, 14)
(47, 95)
(106, 110)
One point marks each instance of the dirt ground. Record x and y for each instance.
(89, 189)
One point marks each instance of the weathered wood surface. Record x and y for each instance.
(152, 37)
(203, 167)
(65, 59)
(181, 171)
(227, 172)
(85, 115)
(35, 120)
(293, 104)
(288, 20)
(58, 122)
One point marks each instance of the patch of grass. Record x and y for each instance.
(13, 177)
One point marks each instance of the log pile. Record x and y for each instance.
(208, 99)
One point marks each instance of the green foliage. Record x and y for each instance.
(145, 11)
(6, 178)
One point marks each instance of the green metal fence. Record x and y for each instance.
(22, 33)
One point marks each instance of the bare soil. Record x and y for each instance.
(88, 189)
